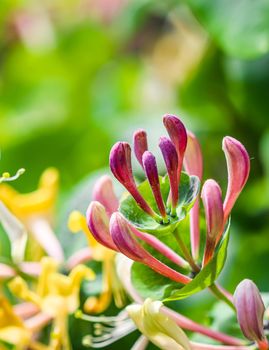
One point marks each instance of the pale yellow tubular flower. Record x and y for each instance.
(12, 329)
(16, 232)
(56, 295)
(111, 284)
(157, 327)
(35, 210)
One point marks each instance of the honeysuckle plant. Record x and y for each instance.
(150, 226)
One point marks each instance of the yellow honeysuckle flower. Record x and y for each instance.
(35, 211)
(12, 329)
(157, 327)
(111, 284)
(56, 295)
(40, 201)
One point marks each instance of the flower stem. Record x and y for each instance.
(186, 252)
(220, 295)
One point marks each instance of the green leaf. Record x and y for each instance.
(151, 284)
(239, 27)
(188, 191)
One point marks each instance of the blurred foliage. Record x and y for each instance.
(75, 76)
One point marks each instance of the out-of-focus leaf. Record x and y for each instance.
(239, 27)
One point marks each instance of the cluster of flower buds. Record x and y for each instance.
(181, 148)
(250, 312)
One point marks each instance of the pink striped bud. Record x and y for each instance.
(193, 158)
(238, 165)
(140, 144)
(150, 166)
(124, 238)
(178, 135)
(211, 196)
(121, 167)
(103, 193)
(250, 311)
(193, 163)
(171, 161)
(98, 223)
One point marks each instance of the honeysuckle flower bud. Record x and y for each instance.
(98, 223)
(140, 144)
(171, 161)
(157, 327)
(124, 238)
(238, 164)
(103, 193)
(212, 200)
(121, 167)
(250, 311)
(178, 135)
(193, 163)
(150, 166)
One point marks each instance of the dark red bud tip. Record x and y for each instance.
(140, 144)
(171, 161)
(121, 167)
(150, 167)
(178, 135)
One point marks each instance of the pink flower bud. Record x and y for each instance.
(98, 223)
(103, 193)
(121, 167)
(250, 311)
(193, 158)
(238, 165)
(178, 135)
(171, 162)
(193, 163)
(212, 200)
(140, 144)
(150, 166)
(124, 238)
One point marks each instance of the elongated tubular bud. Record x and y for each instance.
(160, 247)
(121, 167)
(250, 311)
(140, 144)
(178, 135)
(193, 163)
(150, 166)
(98, 223)
(124, 239)
(238, 164)
(171, 161)
(103, 193)
(212, 200)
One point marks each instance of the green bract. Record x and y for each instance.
(188, 191)
(149, 283)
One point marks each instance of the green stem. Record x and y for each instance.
(186, 252)
(220, 295)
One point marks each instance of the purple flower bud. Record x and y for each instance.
(121, 167)
(178, 135)
(193, 163)
(171, 162)
(124, 238)
(98, 223)
(211, 196)
(140, 144)
(150, 166)
(238, 165)
(250, 311)
(103, 193)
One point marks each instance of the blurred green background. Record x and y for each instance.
(77, 75)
